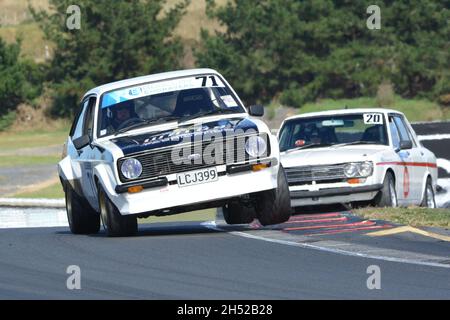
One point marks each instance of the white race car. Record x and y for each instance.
(364, 156)
(169, 143)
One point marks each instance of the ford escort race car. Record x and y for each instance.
(362, 156)
(165, 144)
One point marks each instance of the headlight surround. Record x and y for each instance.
(255, 146)
(131, 168)
(358, 169)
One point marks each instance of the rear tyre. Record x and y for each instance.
(387, 197)
(274, 206)
(82, 218)
(236, 212)
(115, 224)
(428, 200)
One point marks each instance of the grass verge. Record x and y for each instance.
(15, 161)
(54, 191)
(12, 140)
(413, 216)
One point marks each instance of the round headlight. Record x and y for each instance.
(255, 146)
(365, 169)
(131, 168)
(351, 170)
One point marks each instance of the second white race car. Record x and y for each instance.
(364, 156)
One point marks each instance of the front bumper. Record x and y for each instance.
(334, 195)
(167, 194)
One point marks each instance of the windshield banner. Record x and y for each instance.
(130, 93)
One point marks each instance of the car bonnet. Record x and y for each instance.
(185, 133)
(325, 156)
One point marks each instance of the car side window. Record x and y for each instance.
(88, 125)
(77, 130)
(408, 129)
(404, 134)
(394, 133)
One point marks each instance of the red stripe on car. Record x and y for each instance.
(411, 164)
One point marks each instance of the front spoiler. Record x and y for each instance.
(331, 192)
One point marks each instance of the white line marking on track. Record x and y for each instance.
(434, 137)
(212, 225)
(32, 218)
(444, 164)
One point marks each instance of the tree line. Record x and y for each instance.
(294, 51)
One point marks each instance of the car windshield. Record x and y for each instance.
(168, 100)
(333, 130)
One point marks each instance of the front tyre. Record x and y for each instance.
(387, 197)
(274, 206)
(428, 200)
(82, 218)
(115, 224)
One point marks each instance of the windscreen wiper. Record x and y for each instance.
(207, 113)
(146, 123)
(355, 142)
(312, 145)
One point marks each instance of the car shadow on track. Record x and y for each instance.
(320, 209)
(160, 229)
(195, 227)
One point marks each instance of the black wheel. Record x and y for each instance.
(115, 224)
(82, 218)
(428, 200)
(236, 212)
(274, 206)
(387, 197)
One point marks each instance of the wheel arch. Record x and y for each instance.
(427, 176)
(390, 170)
(104, 176)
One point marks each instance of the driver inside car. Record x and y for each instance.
(121, 113)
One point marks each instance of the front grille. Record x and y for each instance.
(162, 162)
(307, 174)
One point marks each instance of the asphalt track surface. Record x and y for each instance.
(321, 255)
(192, 260)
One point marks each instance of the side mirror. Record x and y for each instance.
(81, 142)
(256, 110)
(406, 145)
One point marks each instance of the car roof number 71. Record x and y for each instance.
(373, 118)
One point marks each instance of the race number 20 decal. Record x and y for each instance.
(373, 118)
